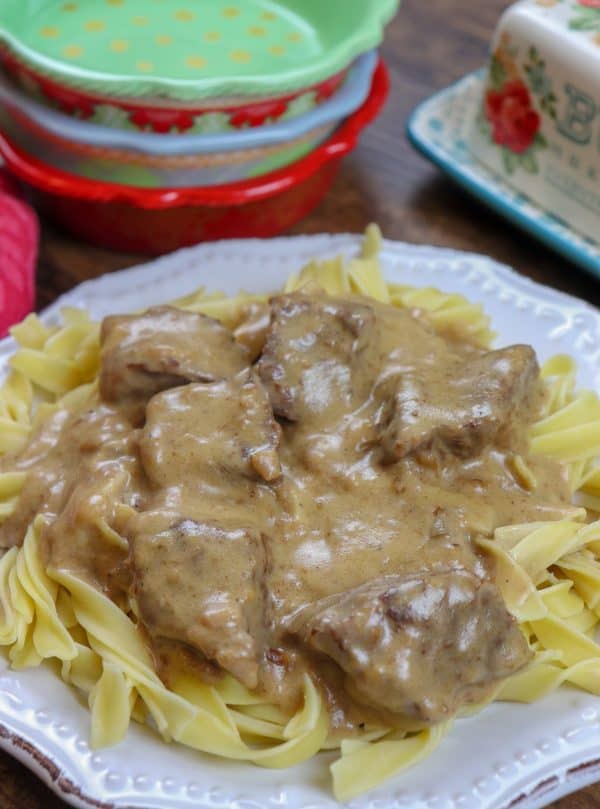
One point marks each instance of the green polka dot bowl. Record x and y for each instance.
(165, 52)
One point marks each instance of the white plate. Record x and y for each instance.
(507, 755)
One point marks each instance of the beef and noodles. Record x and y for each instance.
(302, 494)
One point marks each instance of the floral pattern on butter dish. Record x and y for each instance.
(587, 16)
(509, 116)
(515, 123)
(540, 82)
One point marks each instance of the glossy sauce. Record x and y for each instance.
(315, 510)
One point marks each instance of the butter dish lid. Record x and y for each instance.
(578, 17)
(191, 49)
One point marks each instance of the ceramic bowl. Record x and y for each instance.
(82, 133)
(158, 221)
(537, 124)
(142, 170)
(187, 52)
(163, 116)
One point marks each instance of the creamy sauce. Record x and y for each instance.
(302, 498)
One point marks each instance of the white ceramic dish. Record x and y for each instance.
(440, 128)
(509, 755)
(536, 122)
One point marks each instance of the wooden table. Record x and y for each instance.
(428, 46)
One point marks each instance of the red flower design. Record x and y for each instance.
(514, 121)
(589, 3)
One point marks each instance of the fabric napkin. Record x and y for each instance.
(19, 238)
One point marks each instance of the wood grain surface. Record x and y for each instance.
(427, 47)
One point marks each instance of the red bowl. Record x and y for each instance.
(156, 221)
(160, 117)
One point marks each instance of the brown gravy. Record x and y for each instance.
(311, 510)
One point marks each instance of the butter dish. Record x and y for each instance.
(439, 128)
(523, 133)
(538, 120)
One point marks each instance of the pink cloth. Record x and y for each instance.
(19, 237)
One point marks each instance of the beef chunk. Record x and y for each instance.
(310, 350)
(420, 645)
(252, 331)
(198, 552)
(211, 433)
(82, 540)
(460, 406)
(69, 449)
(199, 584)
(164, 347)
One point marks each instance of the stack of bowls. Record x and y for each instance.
(150, 124)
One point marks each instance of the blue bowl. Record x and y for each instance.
(346, 101)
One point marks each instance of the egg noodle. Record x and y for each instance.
(549, 571)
